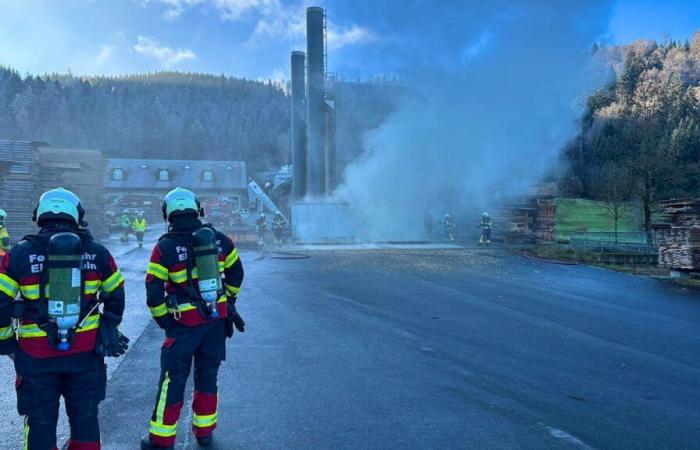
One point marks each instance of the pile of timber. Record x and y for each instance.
(528, 220)
(80, 171)
(679, 238)
(18, 185)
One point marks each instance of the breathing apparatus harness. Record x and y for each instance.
(202, 254)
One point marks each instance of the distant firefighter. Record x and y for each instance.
(261, 228)
(125, 226)
(450, 225)
(429, 224)
(4, 235)
(485, 226)
(278, 228)
(139, 226)
(237, 218)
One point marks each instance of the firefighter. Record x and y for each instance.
(429, 224)
(61, 335)
(125, 225)
(450, 226)
(485, 226)
(4, 235)
(139, 227)
(278, 224)
(261, 229)
(192, 282)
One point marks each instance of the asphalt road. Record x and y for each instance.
(439, 349)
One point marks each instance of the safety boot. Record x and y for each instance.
(204, 441)
(147, 445)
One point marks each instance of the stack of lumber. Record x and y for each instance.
(18, 185)
(80, 171)
(679, 239)
(528, 220)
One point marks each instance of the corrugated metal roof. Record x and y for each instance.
(143, 174)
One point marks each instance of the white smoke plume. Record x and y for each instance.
(490, 112)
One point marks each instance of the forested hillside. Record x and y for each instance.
(161, 115)
(641, 137)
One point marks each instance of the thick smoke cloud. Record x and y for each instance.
(497, 92)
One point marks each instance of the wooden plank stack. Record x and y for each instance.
(18, 185)
(679, 238)
(528, 220)
(80, 171)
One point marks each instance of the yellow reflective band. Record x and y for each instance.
(8, 286)
(91, 286)
(113, 282)
(160, 409)
(231, 258)
(33, 331)
(204, 421)
(159, 311)
(6, 333)
(26, 433)
(163, 430)
(222, 299)
(90, 323)
(30, 331)
(233, 289)
(183, 308)
(157, 271)
(179, 277)
(31, 291)
(221, 266)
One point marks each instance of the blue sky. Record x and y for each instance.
(252, 38)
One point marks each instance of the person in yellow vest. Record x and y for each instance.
(139, 226)
(4, 235)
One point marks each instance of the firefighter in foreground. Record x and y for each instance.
(192, 282)
(139, 226)
(62, 338)
(278, 224)
(125, 225)
(4, 235)
(485, 226)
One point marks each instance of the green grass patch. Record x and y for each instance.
(575, 214)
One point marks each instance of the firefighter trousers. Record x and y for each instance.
(41, 382)
(206, 346)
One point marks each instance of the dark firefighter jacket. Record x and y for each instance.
(21, 273)
(167, 275)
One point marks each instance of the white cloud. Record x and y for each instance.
(105, 54)
(340, 37)
(167, 56)
(273, 20)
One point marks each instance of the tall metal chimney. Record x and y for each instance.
(299, 162)
(315, 24)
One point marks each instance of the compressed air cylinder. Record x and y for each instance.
(206, 256)
(64, 263)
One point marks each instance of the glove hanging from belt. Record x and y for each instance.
(110, 341)
(233, 319)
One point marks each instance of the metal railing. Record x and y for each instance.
(611, 241)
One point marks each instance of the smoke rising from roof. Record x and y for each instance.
(497, 93)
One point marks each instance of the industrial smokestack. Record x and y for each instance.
(315, 51)
(299, 163)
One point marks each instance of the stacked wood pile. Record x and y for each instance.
(679, 238)
(18, 185)
(80, 171)
(528, 220)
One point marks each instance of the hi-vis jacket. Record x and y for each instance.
(139, 225)
(4, 239)
(21, 274)
(167, 276)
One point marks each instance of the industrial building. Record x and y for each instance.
(140, 184)
(330, 120)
